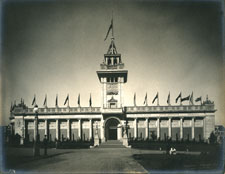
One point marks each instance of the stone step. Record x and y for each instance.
(112, 144)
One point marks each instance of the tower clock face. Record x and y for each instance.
(112, 89)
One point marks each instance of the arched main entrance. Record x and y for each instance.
(112, 129)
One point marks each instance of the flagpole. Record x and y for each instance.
(68, 105)
(157, 98)
(180, 98)
(112, 26)
(55, 101)
(134, 99)
(146, 99)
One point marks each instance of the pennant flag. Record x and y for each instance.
(198, 99)
(146, 98)
(135, 99)
(185, 98)
(56, 100)
(90, 102)
(67, 99)
(45, 101)
(179, 96)
(34, 100)
(168, 99)
(191, 98)
(156, 97)
(78, 101)
(110, 28)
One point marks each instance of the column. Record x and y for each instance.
(119, 89)
(193, 128)
(46, 128)
(158, 128)
(68, 129)
(169, 128)
(204, 137)
(146, 129)
(57, 129)
(79, 128)
(23, 131)
(104, 93)
(102, 131)
(119, 132)
(181, 128)
(135, 128)
(35, 128)
(90, 129)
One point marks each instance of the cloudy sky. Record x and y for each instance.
(55, 47)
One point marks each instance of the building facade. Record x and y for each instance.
(186, 122)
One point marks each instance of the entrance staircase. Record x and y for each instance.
(112, 144)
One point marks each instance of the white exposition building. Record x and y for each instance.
(142, 122)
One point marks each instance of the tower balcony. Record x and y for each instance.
(116, 66)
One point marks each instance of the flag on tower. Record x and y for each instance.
(90, 102)
(179, 96)
(110, 28)
(146, 99)
(67, 99)
(34, 100)
(45, 101)
(198, 99)
(78, 101)
(56, 100)
(185, 98)
(168, 99)
(156, 97)
(135, 99)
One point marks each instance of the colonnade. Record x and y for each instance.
(68, 128)
(135, 126)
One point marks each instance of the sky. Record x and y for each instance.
(56, 47)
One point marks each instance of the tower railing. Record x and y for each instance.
(116, 66)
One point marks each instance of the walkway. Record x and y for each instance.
(97, 160)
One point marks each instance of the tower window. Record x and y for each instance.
(115, 61)
(108, 79)
(109, 61)
(116, 79)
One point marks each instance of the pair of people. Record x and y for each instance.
(173, 151)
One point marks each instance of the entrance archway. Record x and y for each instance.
(112, 129)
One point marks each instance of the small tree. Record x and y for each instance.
(212, 138)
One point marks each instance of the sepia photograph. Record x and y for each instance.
(112, 86)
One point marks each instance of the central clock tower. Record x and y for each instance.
(112, 76)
